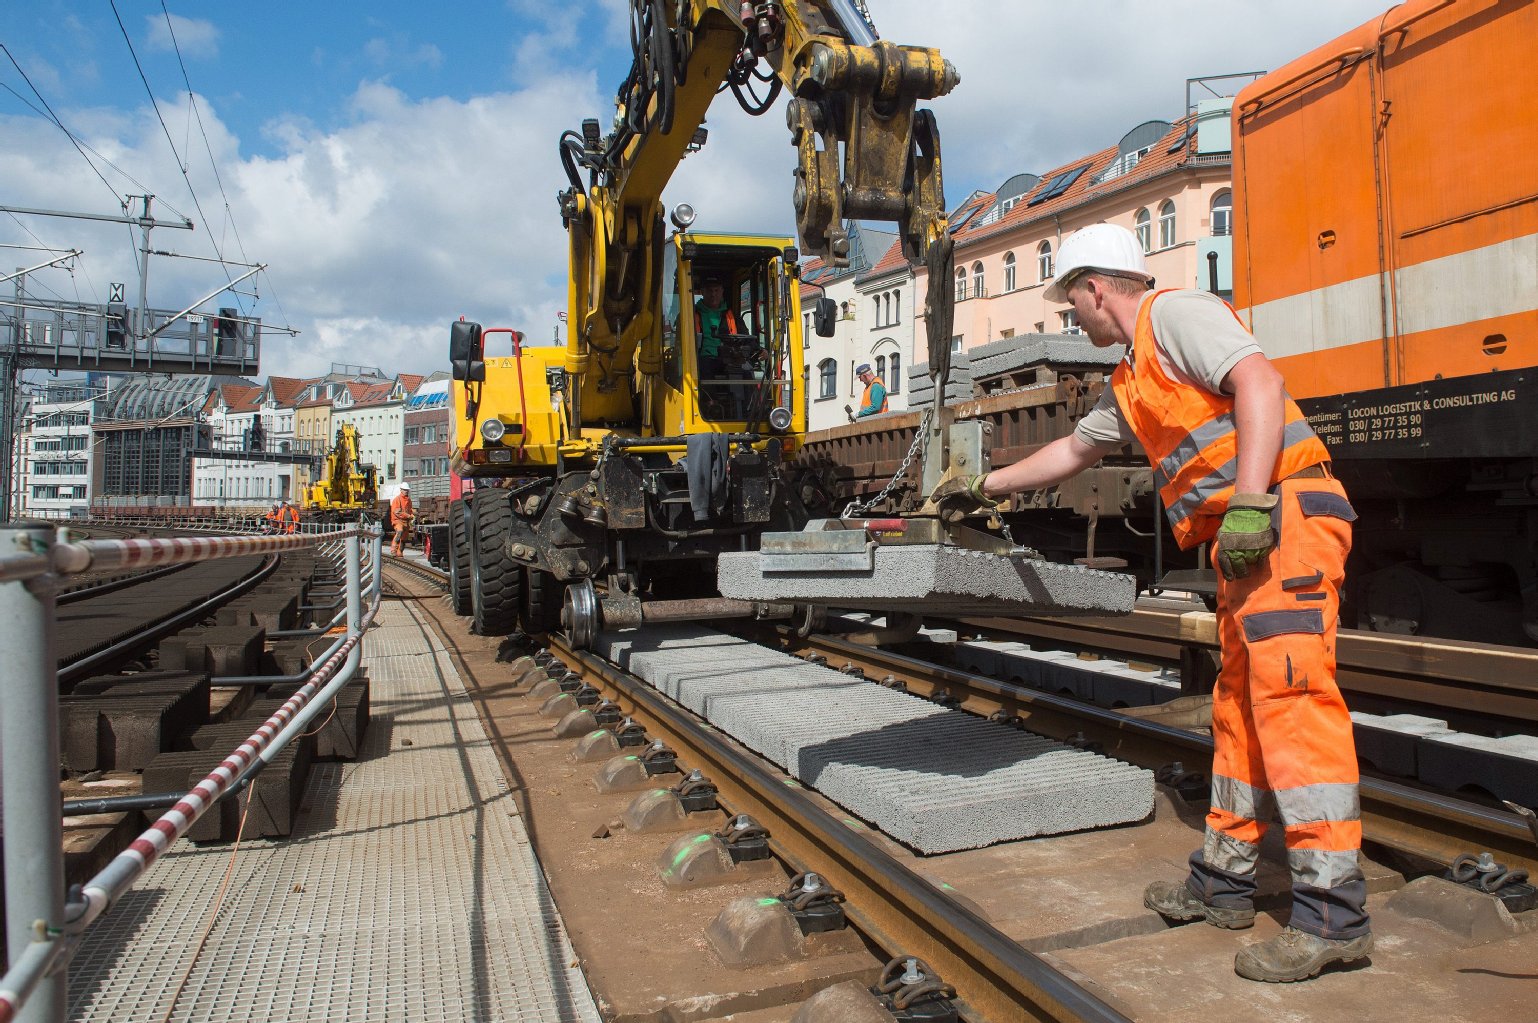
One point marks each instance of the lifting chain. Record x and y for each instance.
(860, 507)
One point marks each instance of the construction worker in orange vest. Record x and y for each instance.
(873, 402)
(270, 520)
(1239, 468)
(402, 515)
(290, 517)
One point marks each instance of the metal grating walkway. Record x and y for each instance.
(409, 891)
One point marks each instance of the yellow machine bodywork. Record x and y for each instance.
(525, 392)
(347, 485)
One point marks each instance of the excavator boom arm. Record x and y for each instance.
(864, 151)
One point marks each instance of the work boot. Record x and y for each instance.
(1297, 955)
(1174, 900)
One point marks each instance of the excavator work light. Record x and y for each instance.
(492, 431)
(682, 216)
(779, 418)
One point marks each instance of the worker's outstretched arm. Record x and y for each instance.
(1065, 457)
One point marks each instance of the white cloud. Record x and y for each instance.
(197, 38)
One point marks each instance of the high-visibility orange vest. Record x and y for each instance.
(1191, 439)
(400, 507)
(291, 517)
(272, 519)
(865, 398)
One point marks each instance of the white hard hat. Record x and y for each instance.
(1105, 247)
(406, 488)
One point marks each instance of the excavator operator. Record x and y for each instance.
(402, 515)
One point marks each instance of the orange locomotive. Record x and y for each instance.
(1386, 258)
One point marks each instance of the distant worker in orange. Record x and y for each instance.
(1238, 467)
(873, 402)
(290, 517)
(270, 520)
(402, 515)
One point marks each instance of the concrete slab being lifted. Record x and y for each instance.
(937, 780)
(933, 578)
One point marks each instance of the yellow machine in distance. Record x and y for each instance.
(347, 488)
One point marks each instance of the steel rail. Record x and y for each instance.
(1427, 825)
(997, 979)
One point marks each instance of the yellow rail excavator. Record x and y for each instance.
(661, 434)
(346, 490)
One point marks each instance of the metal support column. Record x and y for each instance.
(29, 769)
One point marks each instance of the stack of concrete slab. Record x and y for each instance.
(935, 779)
(932, 578)
(958, 386)
(1027, 359)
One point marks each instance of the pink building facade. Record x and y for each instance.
(1168, 182)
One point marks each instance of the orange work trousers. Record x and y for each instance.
(1283, 745)
(402, 535)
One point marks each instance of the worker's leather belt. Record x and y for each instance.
(1317, 471)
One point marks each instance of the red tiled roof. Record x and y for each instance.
(376, 394)
(239, 397)
(410, 381)
(893, 259)
(314, 403)
(1086, 189)
(285, 389)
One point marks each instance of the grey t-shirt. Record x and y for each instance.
(1199, 341)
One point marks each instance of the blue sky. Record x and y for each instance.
(394, 163)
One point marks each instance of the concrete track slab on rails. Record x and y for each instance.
(933, 579)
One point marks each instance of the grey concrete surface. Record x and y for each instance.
(930, 577)
(935, 779)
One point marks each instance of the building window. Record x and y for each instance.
(897, 305)
(956, 343)
(1006, 333)
(1223, 213)
(827, 378)
(894, 383)
(1070, 322)
(961, 284)
(1009, 272)
(977, 281)
(1166, 223)
(876, 317)
(1044, 262)
(1145, 230)
(881, 368)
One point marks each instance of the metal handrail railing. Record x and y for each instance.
(42, 929)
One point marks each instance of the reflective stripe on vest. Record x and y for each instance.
(1189, 435)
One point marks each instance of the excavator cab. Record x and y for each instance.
(732, 354)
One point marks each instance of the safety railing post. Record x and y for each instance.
(354, 584)
(29, 769)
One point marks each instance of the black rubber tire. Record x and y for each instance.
(495, 579)
(540, 613)
(459, 557)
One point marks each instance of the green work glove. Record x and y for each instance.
(1246, 536)
(960, 496)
